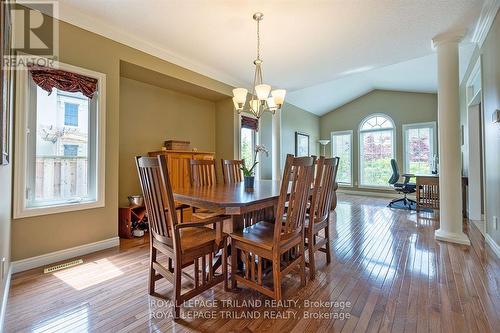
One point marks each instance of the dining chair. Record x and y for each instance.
(319, 212)
(336, 185)
(231, 171)
(269, 240)
(185, 244)
(203, 173)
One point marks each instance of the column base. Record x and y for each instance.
(452, 237)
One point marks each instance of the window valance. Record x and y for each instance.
(250, 123)
(49, 78)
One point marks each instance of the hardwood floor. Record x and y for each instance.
(387, 274)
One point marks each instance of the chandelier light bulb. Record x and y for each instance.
(240, 96)
(262, 91)
(279, 96)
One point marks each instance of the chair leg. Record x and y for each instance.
(177, 290)
(312, 266)
(327, 236)
(302, 254)
(277, 277)
(224, 265)
(234, 265)
(152, 272)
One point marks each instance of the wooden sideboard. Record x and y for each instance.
(178, 164)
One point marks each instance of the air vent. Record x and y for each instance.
(62, 266)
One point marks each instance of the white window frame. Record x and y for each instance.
(360, 148)
(20, 209)
(350, 133)
(430, 124)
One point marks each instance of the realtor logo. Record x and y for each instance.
(34, 32)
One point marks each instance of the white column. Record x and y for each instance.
(450, 178)
(276, 146)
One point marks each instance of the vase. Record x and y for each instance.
(249, 182)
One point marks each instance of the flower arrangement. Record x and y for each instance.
(249, 172)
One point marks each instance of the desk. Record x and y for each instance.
(428, 192)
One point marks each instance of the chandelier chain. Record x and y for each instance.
(258, 40)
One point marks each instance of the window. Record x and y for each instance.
(70, 114)
(71, 150)
(61, 156)
(419, 147)
(376, 149)
(247, 145)
(342, 148)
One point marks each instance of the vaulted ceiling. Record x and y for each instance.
(317, 50)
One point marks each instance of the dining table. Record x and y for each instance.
(243, 206)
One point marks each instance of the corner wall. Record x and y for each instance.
(490, 56)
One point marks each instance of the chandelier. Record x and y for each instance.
(263, 99)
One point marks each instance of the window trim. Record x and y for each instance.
(394, 150)
(21, 146)
(351, 135)
(429, 124)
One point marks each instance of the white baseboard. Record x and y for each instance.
(4, 296)
(494, 246)
(374, 194)
(50, 258)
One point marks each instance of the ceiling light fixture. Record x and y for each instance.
(263, 99)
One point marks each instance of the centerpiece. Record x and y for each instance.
(249, 173)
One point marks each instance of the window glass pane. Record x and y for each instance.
(376, 155)
(70, 114)
(376, 122)
(419, 150)
(247, 146)
(341, 147)
(61, 147)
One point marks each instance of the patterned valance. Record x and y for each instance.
(249, 122)
(49, 78)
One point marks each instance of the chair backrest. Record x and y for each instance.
(202, 173)
(231, 171)
(297, 175)
(323, 189)
(395, 172)
(158, 198)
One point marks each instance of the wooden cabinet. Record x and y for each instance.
(178, 164)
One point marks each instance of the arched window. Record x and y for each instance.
(376, 149)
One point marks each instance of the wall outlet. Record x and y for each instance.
(495, 223)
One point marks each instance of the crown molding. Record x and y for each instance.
(72, 15)
(485, 20)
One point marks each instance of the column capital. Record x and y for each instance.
(454, 36)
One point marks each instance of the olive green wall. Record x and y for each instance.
(149, 115)
(39, 235)
(402, 107)
(490, 57)
(293, 119)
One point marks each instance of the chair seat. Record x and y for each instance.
(260, 234)
(207, 214)
(407, 185)
(196, 237)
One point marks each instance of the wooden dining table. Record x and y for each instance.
(242, 205)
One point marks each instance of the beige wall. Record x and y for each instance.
(402, 107)
(490, 56)
(226, 132)
(39, 235)
(293, 119)
(149, 115)
(5, 223)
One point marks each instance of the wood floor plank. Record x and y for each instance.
(385, 263)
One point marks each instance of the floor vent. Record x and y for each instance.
(62, 266)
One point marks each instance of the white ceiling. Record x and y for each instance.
(305, 44)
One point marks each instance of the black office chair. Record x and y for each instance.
(405, 187)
